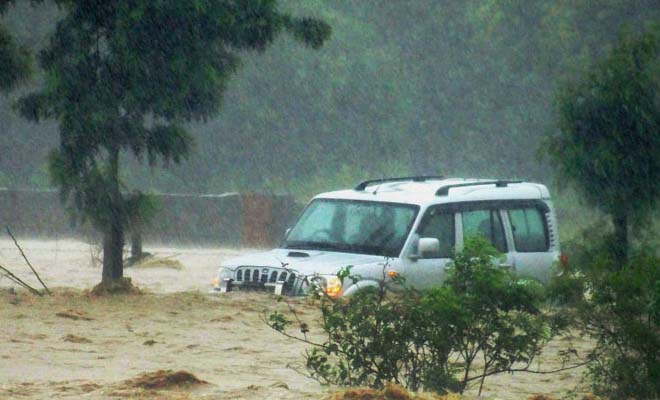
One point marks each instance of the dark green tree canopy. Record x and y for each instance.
(608, 140)
(124, 76)
(14, 60)
(459, 88)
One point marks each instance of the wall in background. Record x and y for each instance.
(229, 219)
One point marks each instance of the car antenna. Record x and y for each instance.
(377, 187)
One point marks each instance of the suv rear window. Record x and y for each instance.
(529, 230)
(486, 223)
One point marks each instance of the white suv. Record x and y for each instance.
(402, 226)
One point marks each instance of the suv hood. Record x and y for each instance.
(306, 262)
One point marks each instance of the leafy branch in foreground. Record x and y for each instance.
(618, 306)
(483, 321)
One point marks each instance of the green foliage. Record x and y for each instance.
(609, 131)
(366, 334)
(278, 321)
(500, 319)
(4, 4)
(623, 316)
(126, 76)
(401, 88)
(3, 180)
(619, 308)
(141, 209)
(431, 339)
(14, 59)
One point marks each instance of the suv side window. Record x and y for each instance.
(486, 223)
(440, 225)
(530, 233)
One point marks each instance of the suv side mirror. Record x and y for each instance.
(428, 247)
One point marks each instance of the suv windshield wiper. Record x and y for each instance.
(339, 247)
(304, 245)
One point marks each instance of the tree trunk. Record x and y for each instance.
(620, 221)
(113, 246)
(136, 242)
(113, 237)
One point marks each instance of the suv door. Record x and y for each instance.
(533, 248)
(427, 271)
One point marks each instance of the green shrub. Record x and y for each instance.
(434, 339)
(622, 315)
(500, 319)
(618, 306)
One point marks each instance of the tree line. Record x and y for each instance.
(453, 87)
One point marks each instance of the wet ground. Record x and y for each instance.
(72, 345)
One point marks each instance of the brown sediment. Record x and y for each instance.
(74, 315)
(390, 392)
(159, 262)
(224, 318)
(89, 387)
(164, 379)
(236, 349)
(75, 339)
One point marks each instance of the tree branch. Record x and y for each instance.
(26, 260)
(290, 336)
(16, 279)
(512, 370)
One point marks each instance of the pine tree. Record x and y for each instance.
(125, 76)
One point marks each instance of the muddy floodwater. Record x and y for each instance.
(72, 345)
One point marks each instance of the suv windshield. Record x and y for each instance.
(353, 226)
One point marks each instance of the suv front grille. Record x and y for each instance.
(265, 279)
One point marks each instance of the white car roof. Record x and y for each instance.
(426, 192)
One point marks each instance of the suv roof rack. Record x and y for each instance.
(444, 190)
(363, 185)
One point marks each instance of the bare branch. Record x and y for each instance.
(263, 318)
(26, 260)
(16, 279)
(512, 370)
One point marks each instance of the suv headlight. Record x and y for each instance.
(223, 273)
(330, 285)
